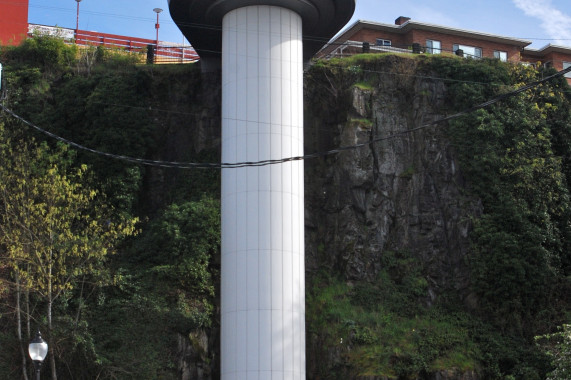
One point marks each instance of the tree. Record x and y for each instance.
(55, 228)
(558, 347)
(180, 251)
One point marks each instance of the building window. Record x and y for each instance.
(433, 47)
(501, 55)
(469, 51)
(565, 66)
(382, 42)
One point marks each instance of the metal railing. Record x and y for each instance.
(349, 48)
(164, 52)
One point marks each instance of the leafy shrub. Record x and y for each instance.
(47, 52)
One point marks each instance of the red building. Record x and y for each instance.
(558, 57)
(13, 22)
(407, 36)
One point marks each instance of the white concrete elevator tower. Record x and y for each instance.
(258, 44)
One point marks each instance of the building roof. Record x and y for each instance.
(415, 25)
(548, 49)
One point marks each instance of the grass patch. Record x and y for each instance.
(381, 330)
(363, 123)
(365, 86)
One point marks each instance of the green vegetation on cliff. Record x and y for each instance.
(399, 320)
(136, 313)
(514, 158)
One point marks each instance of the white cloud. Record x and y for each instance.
(554, 22)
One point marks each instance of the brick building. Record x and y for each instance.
(558, 57)
(407, 36)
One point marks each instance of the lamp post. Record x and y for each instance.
(77, 19)
(157, 26)
(38, 349)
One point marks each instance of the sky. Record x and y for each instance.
(540, 21)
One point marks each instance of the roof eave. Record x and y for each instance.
(415, 25)
(464, 33)
(549, 48)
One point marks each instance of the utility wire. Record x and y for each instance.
(193, 165)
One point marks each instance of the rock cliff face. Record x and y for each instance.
(189, 132)
(402, 193)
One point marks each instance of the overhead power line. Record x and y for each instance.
(227, 165)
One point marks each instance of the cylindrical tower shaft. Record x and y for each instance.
(263, 307)
(258, 44)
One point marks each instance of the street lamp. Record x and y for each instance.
(157, 26)
(38, 349)
(77, 19)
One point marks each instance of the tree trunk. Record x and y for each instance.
(50, 303)
(28, 328)
(52, 354)
(19, 326)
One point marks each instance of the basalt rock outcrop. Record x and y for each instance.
(401, 190)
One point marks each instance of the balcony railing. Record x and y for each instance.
(165, 52)
(349, 48)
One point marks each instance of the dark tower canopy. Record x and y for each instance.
(201, 22)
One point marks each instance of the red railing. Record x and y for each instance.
(163, 53)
